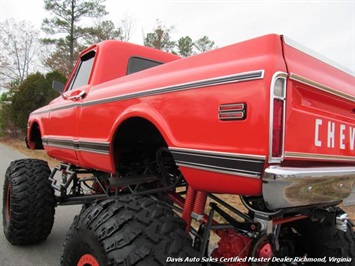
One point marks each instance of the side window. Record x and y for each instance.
(83, 71)
(136, 64)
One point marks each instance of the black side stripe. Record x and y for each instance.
(95, 147)
(234, 164)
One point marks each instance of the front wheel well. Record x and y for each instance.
(36, 137)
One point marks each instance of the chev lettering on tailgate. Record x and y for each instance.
(331, 134)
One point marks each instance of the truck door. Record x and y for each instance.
(64, 114)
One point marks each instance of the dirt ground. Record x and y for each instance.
(39, 154)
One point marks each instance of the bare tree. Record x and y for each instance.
(127, 24)
(18, 46)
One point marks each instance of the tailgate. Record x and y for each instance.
(320, 109)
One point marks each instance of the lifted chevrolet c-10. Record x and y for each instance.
(150, 144)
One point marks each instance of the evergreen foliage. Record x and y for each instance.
(16, 105)
(64, 26)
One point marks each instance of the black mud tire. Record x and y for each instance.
(28, 202)
(130, 230)
(324, 239)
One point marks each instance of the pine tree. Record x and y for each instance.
(64, 25)
(185, 46)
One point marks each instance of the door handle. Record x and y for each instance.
(78, 96)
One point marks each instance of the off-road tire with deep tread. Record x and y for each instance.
(324, 239)
(129, 230)
(28, 202)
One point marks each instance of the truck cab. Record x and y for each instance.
(96, 65)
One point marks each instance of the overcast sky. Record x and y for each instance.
(327, 27)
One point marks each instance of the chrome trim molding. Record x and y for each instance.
(239, 77)
(221, 153)
(315, 156)
(87, 146)
(277, 75)
(322, 87)
(246, 76)
(285, 187)
(219, 170)
(220, 162)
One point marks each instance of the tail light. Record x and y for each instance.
(277, 129)
(277, 117)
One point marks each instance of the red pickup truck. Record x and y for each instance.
(146, 139)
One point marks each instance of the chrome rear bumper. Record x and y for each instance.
(286, 187)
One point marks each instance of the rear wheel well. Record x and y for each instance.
(136, 138)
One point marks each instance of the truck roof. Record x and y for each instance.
(134, 48)
(115, 55)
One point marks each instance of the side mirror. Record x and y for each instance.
(58, 86)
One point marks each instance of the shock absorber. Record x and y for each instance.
(194, 206)
(199, 206)
(188, 206)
